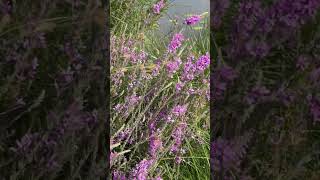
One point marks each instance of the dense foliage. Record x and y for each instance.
(159, 94)
(265, 89)
(52, 71)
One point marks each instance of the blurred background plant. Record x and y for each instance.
(265, 87)
(51, 114)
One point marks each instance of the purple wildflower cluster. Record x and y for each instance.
(150, 102)
(176, 42)
(155, 145)
(203, 62)
(141, 170)
(118, 175)
(173, 66)
(192, 20)
(266, 76)
(189, 70)
(158, 6)
(177, 136)
(179, 110)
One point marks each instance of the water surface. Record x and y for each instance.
(178, 9)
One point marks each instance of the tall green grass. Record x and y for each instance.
(127, 20)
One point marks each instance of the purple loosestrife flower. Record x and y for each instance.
(133, 100)
(169, 119)
(118, 175)
(179, 86)
(191, 91)
(141, 170)
(203, 62)
(189, 70)
(173, 66)
(152, 126)
(176, 42)
(133, 57)
(155, 145)
(192, 20)
(118, 107)
(179, 110)
(158, 6)
(124, 134)
(113, 156)
(156, 69)
(177, 159)
(143, 56)
(177, 136)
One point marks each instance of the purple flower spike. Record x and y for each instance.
(141, 170)
(118, 175)
(173, 66)
(177, 136)
(179, 86)
(203, 62)
(155, 145)
(158, 6)
(192, 20)
(176, 42)
(179, 110)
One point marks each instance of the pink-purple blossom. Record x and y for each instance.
(192, 20)
(173, 66)
(189, 70)
(203, 62)
(179, 86)
(158, 6)
(179, 110)
(177, 136)
(176, 42)
(155, 145)
(141, 170)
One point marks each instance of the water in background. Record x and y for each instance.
(179, 8)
